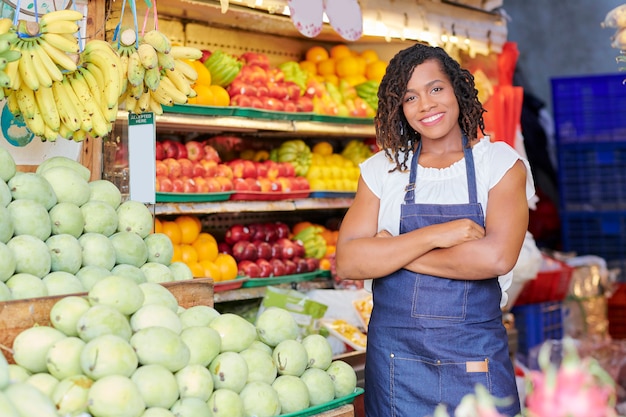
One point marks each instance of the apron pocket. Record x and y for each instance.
(439, 298)
(418, 386)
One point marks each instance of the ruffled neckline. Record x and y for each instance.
(456, 169)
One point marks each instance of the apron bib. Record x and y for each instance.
(432, 339)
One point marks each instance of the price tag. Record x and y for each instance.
(141, 157)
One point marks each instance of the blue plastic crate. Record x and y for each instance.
(592, 177)
(599, 233)
(536, 323)
(589, 109)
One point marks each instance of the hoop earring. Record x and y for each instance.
(401, 129)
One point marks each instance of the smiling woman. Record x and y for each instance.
(437, 211)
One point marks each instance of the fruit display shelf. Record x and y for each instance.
(285, 279)
(339, 407)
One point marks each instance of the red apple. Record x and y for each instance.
(211, 154)
(288, 169)
(178, 185)
(244, 249)
(290, 106)
(301, 183)
(266, 268)
(165, 184)
(278, 91)
(272, 169)
(293, 91)
(282, 230)
(263, 92)
(301, 265)
(213, 185)
(240, 100)
(253, 74)
(224, 170)
(161, 169)
(277, 250)
(240, 184)
(261, 169)
(243, 168)
(279, 267)
(263, 249)
(195, 150)
(182, 150)
(186, 167)
(288, 248)
(304, 104)
(174, 168)
(256, 103)
(269, 230)
(255, 58)
(287, 185)
(170, 148)
(226, 184)
(159, 151)
(249, 268)
(253, 184)
(198, 170)
(290, 266)
(298, 248)
(205, 55)
(240, 88)
(313, 263)
(236, 233)
(210, 168)
(189, 186)
(223, 247)
(202, 185)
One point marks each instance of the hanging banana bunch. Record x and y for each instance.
(8, 55)
(155, 72)
(46, 49)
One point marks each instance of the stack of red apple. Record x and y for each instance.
(264, 250)
(258, 85)
(191, 167)
(266, 176)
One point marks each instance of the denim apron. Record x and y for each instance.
(432, 339)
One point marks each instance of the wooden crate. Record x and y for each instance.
(343, 411)
(19, 315)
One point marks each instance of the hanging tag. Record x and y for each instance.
(141, 157)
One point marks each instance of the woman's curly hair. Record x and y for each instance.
(393, 132)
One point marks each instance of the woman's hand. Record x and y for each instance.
(458, 231)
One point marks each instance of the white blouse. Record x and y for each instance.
(442, 186)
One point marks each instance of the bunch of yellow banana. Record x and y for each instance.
(155, 72)
(45, 49)
(8, 38)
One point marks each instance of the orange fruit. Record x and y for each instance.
(177, 255)
(197, 270)
(331, 78)
(316, 54)
(376, 70)
(326, 67)
(369, 55)
(221, 96)
(206, 249)
(354, 80)
(309, 67)
(172, 229)
(204, 75)
(188, 253)
(206, 236)
(349, 66)
(211, 270)
(204, 96)
(227, 266)
(323, 148)
(190, 228)
(340, 51)
(325, 264)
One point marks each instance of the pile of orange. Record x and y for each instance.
(197, 249)
(341, 62)
(207, 94)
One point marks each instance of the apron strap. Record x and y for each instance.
(409, 196)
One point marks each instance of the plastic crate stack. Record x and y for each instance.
(539, 311)
(590, 126)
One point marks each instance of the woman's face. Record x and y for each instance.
(429, 105)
